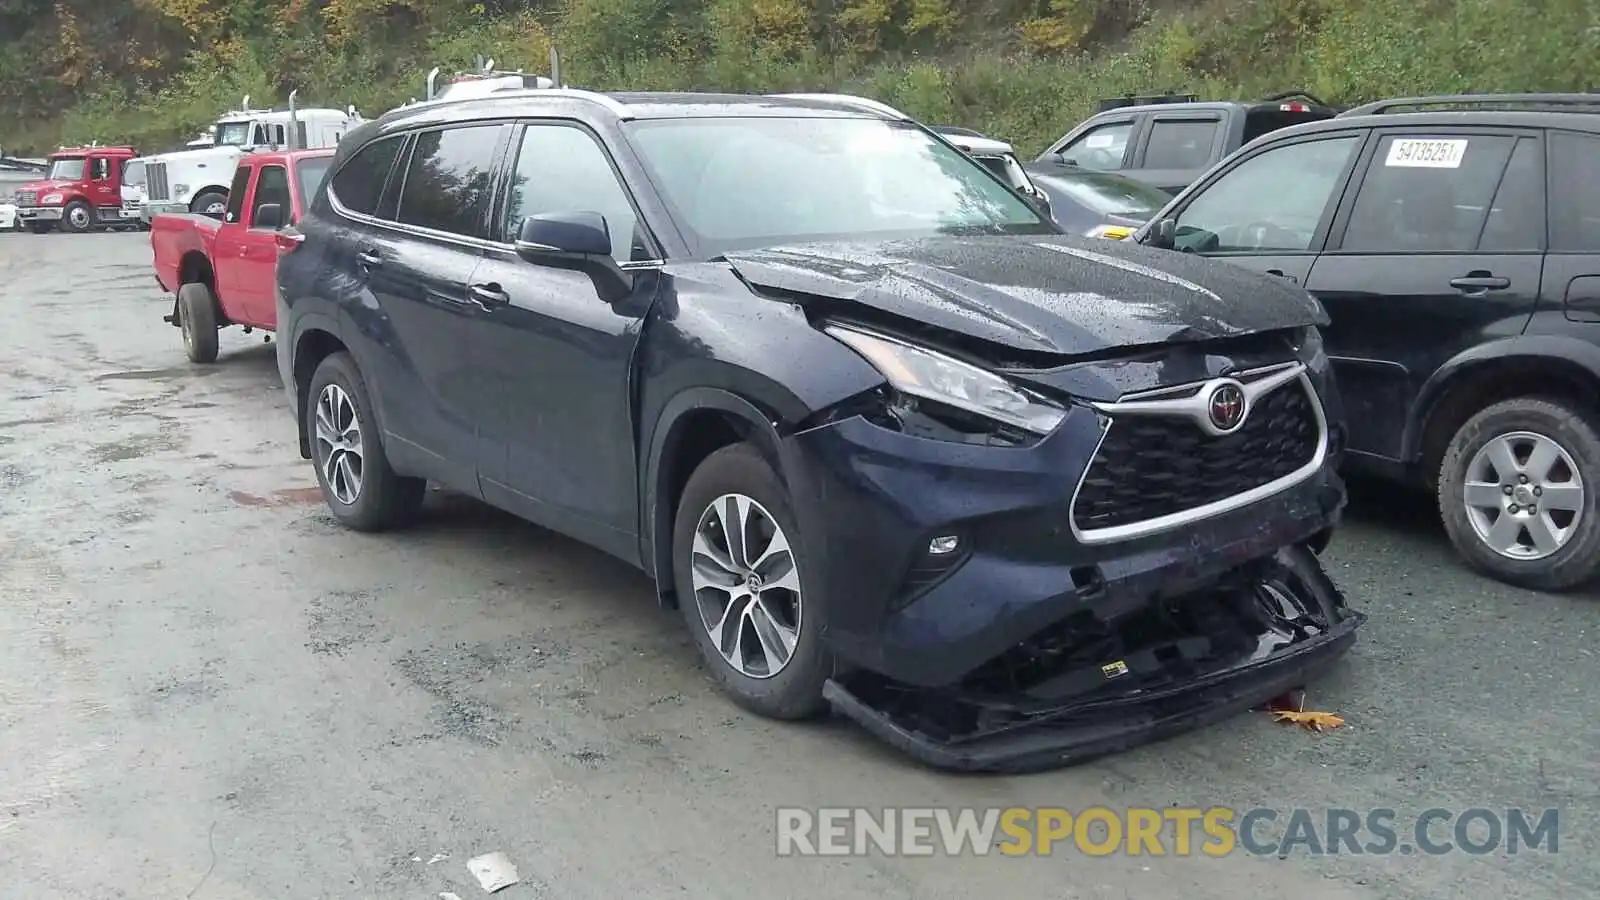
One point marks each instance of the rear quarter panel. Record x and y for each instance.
(176, 237)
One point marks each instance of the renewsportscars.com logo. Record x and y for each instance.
(1174, 831)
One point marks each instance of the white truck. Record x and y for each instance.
(197, 180)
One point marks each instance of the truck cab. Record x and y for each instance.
(198, 180)
(81, 189)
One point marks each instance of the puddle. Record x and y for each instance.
(156, 374)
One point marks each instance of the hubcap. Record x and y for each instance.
(215, 208)
(338, 442)
(746, 585)
(1524, 495)
(80, 217)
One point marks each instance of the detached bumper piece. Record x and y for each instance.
(1088, 687)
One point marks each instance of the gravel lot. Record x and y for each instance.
(207, 689)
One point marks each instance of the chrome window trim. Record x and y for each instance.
(1191, 402)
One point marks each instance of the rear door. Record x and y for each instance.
(1440, 249)
(1270, 210)
(1572, 268)
(1177, 148)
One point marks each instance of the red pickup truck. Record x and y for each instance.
(224, 272)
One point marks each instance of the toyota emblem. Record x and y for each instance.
(1226, 407)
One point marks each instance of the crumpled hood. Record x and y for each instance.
(1048, 293)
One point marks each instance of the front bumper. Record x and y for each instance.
(27, 214)
(148, 211)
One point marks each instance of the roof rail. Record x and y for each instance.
(850, 100)
(1589, 102)
(612, 104)
(1111, 103)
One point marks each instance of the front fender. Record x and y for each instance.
(1526, 347)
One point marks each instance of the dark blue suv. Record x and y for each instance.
(886, 437)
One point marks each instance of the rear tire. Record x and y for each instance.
(197, 317)
(1545, 502)
(729, 481)
(361, 489)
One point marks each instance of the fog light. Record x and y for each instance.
(944, 544)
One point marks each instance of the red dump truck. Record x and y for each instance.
(222, 272)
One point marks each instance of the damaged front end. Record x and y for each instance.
(1091, 685)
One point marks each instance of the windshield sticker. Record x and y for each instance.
(1426, 153)
(1098, 141)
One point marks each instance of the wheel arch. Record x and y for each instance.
(695, 423)
(1545, 366)
(316, 338)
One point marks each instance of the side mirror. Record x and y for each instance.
(1040, 201)
(577, 240)
(269, 215)
(1162, 235)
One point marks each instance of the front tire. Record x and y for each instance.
(739, 567)
(77, 217)
(362, 491)
(1517, 493)
(210, 203)
(197, 317)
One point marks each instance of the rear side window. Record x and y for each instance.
(241, 184)
(1427, 193)
(1516, 217)
(359, 182)
(1100, 149)
(1575, 206)
(308, 174)
(272, 186)
(1178, 144)
(449, 179)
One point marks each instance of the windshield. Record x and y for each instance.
(1109, 195)
(233, 134)
(309, 172)
(133, 174)
(66, 168)
(743, 182)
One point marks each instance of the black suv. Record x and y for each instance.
(1457, 252)
(885, 437)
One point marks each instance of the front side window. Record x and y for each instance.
(448, 180)
(1427, 193)
(1179, 144)
(67, 168)
(236, 192)
(359, 182)
(133, 174)
(272, 186)
(1269, 203)
(100, 169)
(1099, 149)
(743, 182)
(1575, 209)
(561, 169)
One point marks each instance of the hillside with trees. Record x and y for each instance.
(152, 72)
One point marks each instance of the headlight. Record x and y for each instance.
(178, 190)
(933, 376)
(50, 200)
(1114, 232)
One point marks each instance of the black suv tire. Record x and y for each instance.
(795, 691)
(1574, 563)
(383, 499)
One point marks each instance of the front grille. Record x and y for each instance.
(27, 198)
(1149, 466)
(156, 187)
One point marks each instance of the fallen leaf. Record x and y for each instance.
(1316, 721)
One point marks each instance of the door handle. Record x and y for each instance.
(1479, 282)
(488, 295)
(1279, 273)
(369, 258)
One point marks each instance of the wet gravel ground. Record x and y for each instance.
(208, 689)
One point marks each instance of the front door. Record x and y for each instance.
(1439, 250)
(105, 188)
(228, 262)
(560, 448)
(1270, 211)
(257, 254)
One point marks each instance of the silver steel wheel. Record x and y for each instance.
(187, 328)
(746, 585)
(79, 216)
(216, 209)
(1524, 496)
(338, 443)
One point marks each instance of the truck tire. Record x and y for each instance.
(210, 203)
(197, 316)
(737, 482)
(41, 227)
(78, 217)
(1518, 492)
(361, 489)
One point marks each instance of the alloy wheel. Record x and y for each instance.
(746, 585)
(79, 217)
(1524, 496)
(338, 443)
